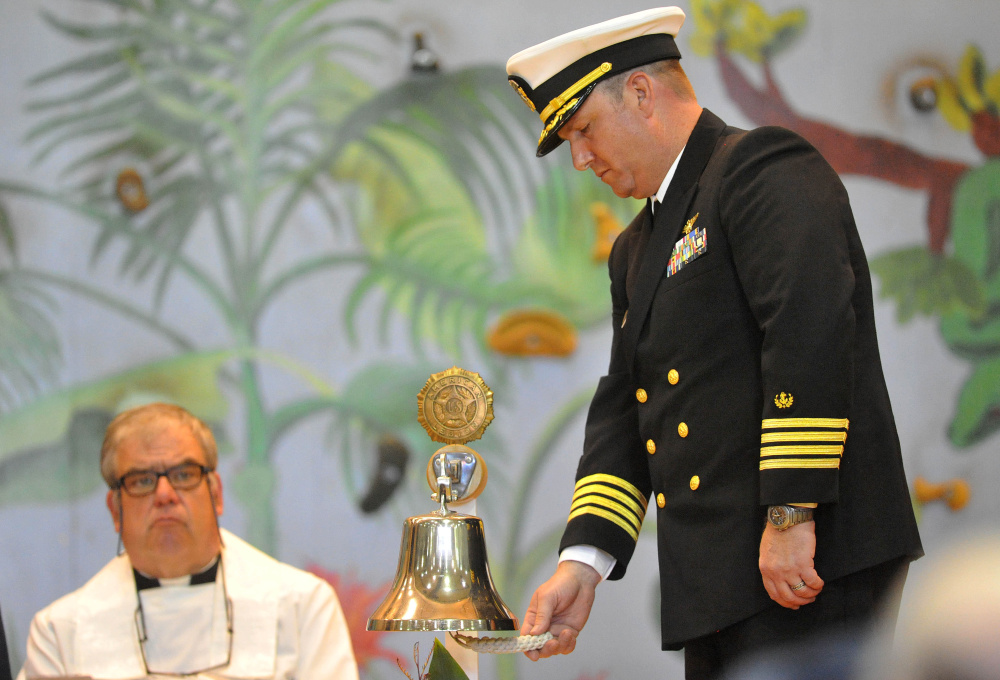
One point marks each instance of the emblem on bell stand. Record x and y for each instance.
(443, 580)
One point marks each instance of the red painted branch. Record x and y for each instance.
(850, 153)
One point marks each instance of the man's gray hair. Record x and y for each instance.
(149, 419)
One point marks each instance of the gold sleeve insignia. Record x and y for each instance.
(783, 400)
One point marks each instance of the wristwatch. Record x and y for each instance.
(782, 517)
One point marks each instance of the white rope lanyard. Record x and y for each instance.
(502, 645)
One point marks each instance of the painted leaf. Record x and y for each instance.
(49, 449)
(8, 242)
(30, 354)
(975, 227)
(58, 471)
(554, 263)
(787, 28)
(978, 411)
(992, 90)
(971, 74)
(951, 106)
(190, 380)
(975, 340)
(921, 282)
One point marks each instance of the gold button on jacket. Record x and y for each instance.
(695, 482)
(660, 500)
(682, 429)
(640, 395)
(673, 376)
(650, 446)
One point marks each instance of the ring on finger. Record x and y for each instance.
(799, 586)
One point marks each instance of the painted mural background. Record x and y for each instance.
(286, 214)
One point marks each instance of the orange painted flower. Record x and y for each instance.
(533, 332)
(358, 601)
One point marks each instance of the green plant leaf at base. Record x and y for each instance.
(443, 665)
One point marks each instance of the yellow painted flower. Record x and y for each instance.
(973, 90)
(743, 27)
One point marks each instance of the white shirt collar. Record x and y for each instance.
(662, 191)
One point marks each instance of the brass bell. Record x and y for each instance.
(443, 578)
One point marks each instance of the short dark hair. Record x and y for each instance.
(151, 416)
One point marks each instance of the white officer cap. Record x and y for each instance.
(556, 76)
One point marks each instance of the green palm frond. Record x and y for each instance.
(8, 239)
(426, 242)
(30, 356)
(480, 131)
(556, 267)
(380, 399)
(211, 102)
(453, 216)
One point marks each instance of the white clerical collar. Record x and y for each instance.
(662, 191)
(206, 574)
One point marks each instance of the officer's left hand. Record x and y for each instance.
(786, 559)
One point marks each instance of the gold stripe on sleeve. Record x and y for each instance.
(604, 514)
(614, 481)
(812, 435)
(800, 463)
(628, 501)
(619, 509)
(771, 423)
(802, 451)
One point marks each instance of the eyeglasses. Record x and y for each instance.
(144, 482)
(140, 627)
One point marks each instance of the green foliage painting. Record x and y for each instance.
(198, 139)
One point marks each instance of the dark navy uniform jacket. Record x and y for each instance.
(744, 372)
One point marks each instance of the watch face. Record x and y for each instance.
(778, 515)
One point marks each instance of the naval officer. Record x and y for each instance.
(745, 405)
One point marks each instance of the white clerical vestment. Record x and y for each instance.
(287, 624)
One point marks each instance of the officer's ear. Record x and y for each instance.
(114, 501)
(639, 88)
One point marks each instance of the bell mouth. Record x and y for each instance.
(441, 625)
(443, 580)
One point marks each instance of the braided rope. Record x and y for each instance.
(501, 645)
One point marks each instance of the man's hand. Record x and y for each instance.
(786, 560)
(561, 605)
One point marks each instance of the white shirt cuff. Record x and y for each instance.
(601, 561)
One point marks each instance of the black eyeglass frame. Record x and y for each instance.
(140, 629)
(119, 484)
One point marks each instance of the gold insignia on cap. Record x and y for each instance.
(556, 119)
(557, 103)
(524, 96)
(690, 223)
(783, 400)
